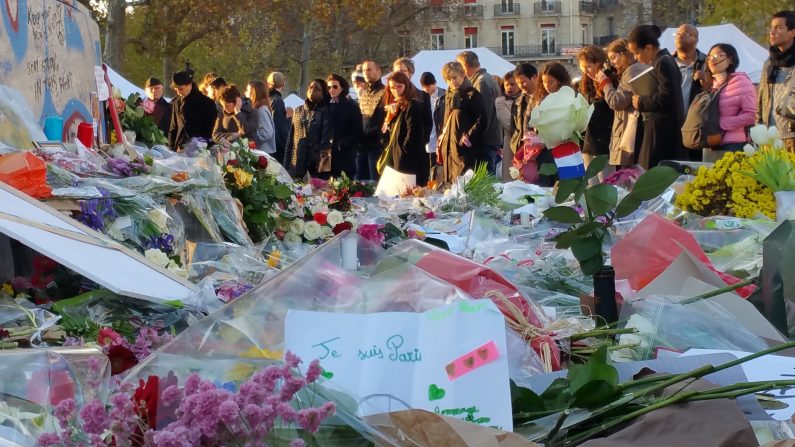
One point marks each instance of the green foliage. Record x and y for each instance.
(594, 383)
(751, 16)
(480, 188)
(134, 118)
(586, 235)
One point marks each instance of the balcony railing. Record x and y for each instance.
(587, 7)
(606, 4)
(529, 51)
(472, 11)
(506, 10)
(551, 8)
(604, 41)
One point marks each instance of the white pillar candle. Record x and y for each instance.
(350, 256)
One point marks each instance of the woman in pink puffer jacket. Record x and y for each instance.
(737, 101)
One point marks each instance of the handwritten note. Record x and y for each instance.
(398, 360)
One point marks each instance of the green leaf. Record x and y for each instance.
(596, 166)
(565, 239)
(139, 112)
(548, 169)
(525, 400)
(592, 265)
(586, 248)
(579, 191)
(601, 199)
(628, 205)
(563, 214)
(654, 182)
(566, 188)
(557, 396)
(595, 382)
(282, 191)
(260, 217)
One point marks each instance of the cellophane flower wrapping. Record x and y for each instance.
(248, 333)
(663, 323)
(35, 380)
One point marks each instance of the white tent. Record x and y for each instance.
(293, 101)
(125, 87)
(433, 60)
(752, 55)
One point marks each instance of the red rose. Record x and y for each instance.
(233, 162)
(358, 194)
(145, 398)
(262, 161)
(121, 359)
(320, 218)
(252, 144)
(339, 228)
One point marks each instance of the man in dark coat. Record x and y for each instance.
(193, 115)
(485, 84)
(281, 123)
(373, 114)
(161, 114)
(692, 64)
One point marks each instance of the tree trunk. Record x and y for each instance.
(306, 49)
(169, 58)
(114, 37)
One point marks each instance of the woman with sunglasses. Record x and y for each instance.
(736, 100)
(346, 127)
(403, 129)
(309, 141)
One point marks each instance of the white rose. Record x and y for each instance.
(291, 239)
(157, 257)
(514, 172)
(778, 144)
(749, 150)
(319, 208)
(326, 232)
(334, 218)
(297, 226)
(159, 218)
(312, 230)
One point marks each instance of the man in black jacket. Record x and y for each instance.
(436, 95)
(373, 115)
(281, 123)
(161, 113)
(692, 64)
(192, 114)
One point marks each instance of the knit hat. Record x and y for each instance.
(182, 78)
(151, 82)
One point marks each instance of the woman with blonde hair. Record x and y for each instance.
(265, 136)
(627, 131)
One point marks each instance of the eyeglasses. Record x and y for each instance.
(333, 87)
(717, 58)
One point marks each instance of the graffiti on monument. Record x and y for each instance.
(48, 50)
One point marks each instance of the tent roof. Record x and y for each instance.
(293, 101)
(125, 87)
(752, 55)
(433, 60)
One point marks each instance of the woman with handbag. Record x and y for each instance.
(736, 100)
(346, 122)
(309, 142)
(627, 132)
(403, 130)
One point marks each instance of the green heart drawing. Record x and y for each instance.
(435, 393)
(327, 374)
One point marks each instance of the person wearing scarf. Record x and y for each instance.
(778, 77)
(310, 133)
(464, 124)
(403, 129)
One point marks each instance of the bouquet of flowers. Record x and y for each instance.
(249, 179)
(133, 117)
(343, 188)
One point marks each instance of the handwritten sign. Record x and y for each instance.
(451, 360)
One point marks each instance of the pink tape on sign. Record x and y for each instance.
(472, 361)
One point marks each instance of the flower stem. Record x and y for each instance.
(602, 333)
(721, 291)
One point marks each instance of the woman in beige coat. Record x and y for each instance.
(503, 104)
(627, 126)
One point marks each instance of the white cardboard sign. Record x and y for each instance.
(451, 360)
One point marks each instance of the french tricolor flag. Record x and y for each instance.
(568, 159)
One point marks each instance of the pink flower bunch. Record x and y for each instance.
(372, 233)
(203, 413)
(624, 178)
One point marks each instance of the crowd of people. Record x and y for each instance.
(362, 127)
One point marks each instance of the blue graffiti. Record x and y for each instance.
(17, 30)
(74, 40)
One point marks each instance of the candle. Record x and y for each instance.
(350, 256)
(524, 219)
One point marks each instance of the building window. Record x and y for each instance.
(547, 40)
(610, 27)
(548, 5)
(404, 44)
(470, 37)
(507, 6)
(437, 39)
(507, 41)
(584, 33)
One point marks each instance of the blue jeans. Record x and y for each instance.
(366, 165)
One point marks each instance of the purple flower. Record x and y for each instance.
(290, 387)
(291, 360)
(94, 417)
(328, 409)
(64, 411)
(73, 341)
(286, 412)
(192, 383)
(309, 419)
(313, 372)
(297, 442)
(228, 412)
(48, 440)
(171, 395)
(93, 212)
(164, 242)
